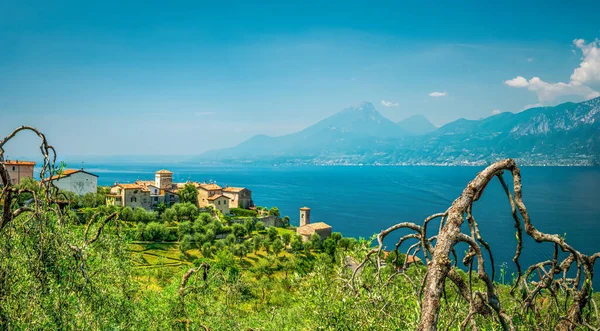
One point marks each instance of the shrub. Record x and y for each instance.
(297, 245)
(184, 228)
(186, 243)
(207, 250)
(260, 226)
(204, 218)
(272, 233)
(239, 230)
(243, 212)
(156, 232)
(277, 246)
(274, 212)
(329, 247)
(140, 215)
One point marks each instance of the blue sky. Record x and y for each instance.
(104, 78)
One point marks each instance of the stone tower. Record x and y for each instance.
(163, 179)
(304, 216)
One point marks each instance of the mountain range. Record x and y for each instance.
(567, 134)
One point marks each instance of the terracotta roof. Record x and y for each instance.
(312, 227)
(216, 196)
(17, 162)
(304, 208)
(163, 171)
(146, 183)
(133, 187)
(69, 172)
(234, 189)
(210, 187)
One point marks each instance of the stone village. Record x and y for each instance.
(148, 194)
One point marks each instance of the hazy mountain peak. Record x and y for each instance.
(364, 107)
(361, 119)
(417, 125)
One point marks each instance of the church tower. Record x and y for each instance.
(304, 216)
(163, 179)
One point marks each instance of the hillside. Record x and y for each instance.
(567, 134)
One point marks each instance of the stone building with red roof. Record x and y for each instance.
(18, 170)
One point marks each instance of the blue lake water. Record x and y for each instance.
(361, 201)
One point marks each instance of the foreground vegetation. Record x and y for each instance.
(98, 268)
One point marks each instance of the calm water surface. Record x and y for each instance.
(361, 201)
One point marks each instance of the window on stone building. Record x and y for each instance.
(14, 168)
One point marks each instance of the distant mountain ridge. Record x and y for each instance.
(567, 134)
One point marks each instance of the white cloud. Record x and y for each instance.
(518, 81)
(438, 94)
(389, 103)
(204, 113)
(496, 111)
(589, 69)
(530, 59)
(587, 72)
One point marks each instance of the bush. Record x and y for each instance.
(225, 229)
(249, 225)
(140, 231)
(260, 226)
(186, 243)
(156, 232)
(277, 246)
(204, 218)
(274, 212)
(297, 245)
(272, 233)
(329, 247)
(239, 230)
(184, 228)
(207, 250)
(243, 212)
(126, 214)
(140, 215)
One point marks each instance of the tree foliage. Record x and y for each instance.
(188, 194)
(57, 272)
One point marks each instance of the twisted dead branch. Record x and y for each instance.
(439, 249)
(47, 201)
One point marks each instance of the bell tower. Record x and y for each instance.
(304, 216)
(163, 179)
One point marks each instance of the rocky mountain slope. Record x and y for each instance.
(567, 134)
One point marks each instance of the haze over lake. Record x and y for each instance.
(361, 201)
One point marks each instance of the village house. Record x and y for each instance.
(18, 170)
(206, 191)
(307, 229)
(77, 181)
(131, 195)
(239, 197)
(220, 202)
